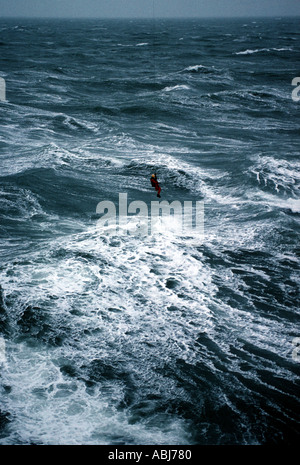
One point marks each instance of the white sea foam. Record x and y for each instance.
(291, 204)
(258, 50)
(177, 87)
(19, 204)
(281, 175)
(115, 298)
(195, 68)
(50, 409)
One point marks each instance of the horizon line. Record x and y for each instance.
(155, 17)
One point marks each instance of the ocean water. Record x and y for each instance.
(164, 338)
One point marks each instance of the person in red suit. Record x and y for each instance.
(155, 184)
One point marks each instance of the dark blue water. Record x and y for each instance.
(163, 339)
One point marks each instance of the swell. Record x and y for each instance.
(53, 192)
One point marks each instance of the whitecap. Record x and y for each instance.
(177, 87)
(195, 68)
(291, 204)
(288, 49)
(250, 51)
(258, 50)
(281, 175)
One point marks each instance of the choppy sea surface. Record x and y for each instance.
(162, 339)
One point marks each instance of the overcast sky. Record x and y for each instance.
(148, 8)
